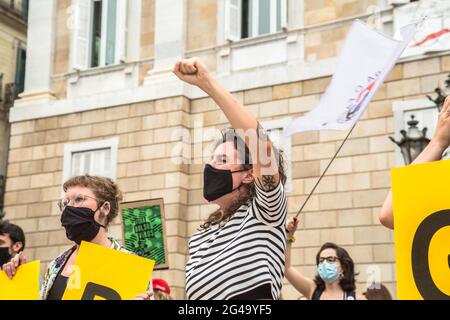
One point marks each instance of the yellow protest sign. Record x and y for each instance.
(101, 273)
(421, 196)
(24, 285)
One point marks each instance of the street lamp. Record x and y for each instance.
(412, 142)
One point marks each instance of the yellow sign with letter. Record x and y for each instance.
(421, 196)
(24, 285)
(101, 273)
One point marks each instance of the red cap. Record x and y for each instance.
(161, 285)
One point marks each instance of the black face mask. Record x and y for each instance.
(80, 224)
(217, 182)
(5, 256)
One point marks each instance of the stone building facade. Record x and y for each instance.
(122, 101)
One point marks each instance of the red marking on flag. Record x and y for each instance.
(431, 36)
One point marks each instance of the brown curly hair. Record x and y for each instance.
(104, 189)
(248, 190)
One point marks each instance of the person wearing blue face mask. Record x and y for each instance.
(335, 279)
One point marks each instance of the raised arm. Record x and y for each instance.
(303, 284)
(433, 152)
(265, 165)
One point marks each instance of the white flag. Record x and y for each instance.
(366, 59)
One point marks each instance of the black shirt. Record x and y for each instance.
(258, 293)
(348, 295)
(59, 286)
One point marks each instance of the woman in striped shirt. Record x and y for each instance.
(239, 251)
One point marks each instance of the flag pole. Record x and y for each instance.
(325, 171)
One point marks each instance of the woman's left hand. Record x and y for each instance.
(441, 137)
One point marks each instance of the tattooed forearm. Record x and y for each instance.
(267, 183)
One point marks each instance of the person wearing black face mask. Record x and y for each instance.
(239, 251)
(80, 223)
(89, 205)
(218, 182)
(12, 241)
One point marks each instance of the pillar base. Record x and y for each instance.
(158, 74)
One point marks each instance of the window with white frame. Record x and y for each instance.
(275, 130)
(95, 158)
(252, 18)
(98, 33)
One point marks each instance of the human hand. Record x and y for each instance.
(291, 227)
(10, 268)
(193, 71)
(144, 296)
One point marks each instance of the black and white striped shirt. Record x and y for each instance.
(245, 253)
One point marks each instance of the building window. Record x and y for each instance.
(103, 33)
(25, 7)
(95, 158)
(96, 34)
(99, 33)
(252, 18)
(275, 130)
(20, 71)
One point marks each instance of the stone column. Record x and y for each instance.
(170, 35)
(40, 44)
